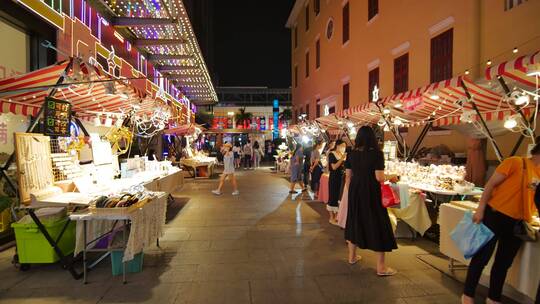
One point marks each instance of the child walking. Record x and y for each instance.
(228, 171)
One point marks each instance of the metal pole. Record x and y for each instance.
(419, 140)
(483, 122)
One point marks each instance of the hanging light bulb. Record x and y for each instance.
(467, 116)
(522, 100)
(434, 97)
(386, 111)
(510, 122)
(397, 121)
(398, 105)
(386, 128)
(350, 124)
(381, 122)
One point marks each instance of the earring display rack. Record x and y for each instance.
(33, 164)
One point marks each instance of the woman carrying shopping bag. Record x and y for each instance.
(506, 206)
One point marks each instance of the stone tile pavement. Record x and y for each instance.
(262, 246)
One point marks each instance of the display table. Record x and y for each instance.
(167, 183)
(200, 168)
(414, 212)
(524, 274)
(324, 192)
(146, 227)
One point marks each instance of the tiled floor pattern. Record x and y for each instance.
(262, 246)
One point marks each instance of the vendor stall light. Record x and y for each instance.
(386, 111)
(515, 50)
(230, 113)
(467, 72)
(386, 128)
(522, 100)
(398, 105)
(305, 139)
(124, 96)
(488, 62)
(381, 122)
(397, 121)
(350, 124)
(467, 116)
(434, 97)
(510, 122)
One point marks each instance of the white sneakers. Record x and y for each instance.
(217, 192)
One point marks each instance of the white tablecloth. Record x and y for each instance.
(415, 214)
(146, 226)
(524, 274)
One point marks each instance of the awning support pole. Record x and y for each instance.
(419, 140)
(30, 129)
(530, 120)
(482, 121)
(401, 143)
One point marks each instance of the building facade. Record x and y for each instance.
(342, 49)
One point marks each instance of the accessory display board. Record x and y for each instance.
(33, 164)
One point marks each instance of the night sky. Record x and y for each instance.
(252, 45)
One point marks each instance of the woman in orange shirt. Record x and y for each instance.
(508, 197)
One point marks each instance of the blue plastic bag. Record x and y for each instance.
(470, 237)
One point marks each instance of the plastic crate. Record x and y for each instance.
(33, 247)
(5, 220)
(132, 266)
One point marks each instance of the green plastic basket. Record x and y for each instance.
(33, 247)
(132, 266)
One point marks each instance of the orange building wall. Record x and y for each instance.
(481, 30)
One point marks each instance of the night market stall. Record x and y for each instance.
(434, 186)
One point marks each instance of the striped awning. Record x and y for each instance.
(90, 91)
(442, 102)
(17, 93)
(516, 70)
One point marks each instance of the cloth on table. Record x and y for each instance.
(146, 226)
(415, 214)
(323, 188)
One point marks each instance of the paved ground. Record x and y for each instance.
(260, 247)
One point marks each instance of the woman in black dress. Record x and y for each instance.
(336, 166)
(368, 225)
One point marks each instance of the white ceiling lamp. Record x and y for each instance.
(398, 105)
(522, 100)
(434, 97)
(511, 122)
(350, 124)
(386, 111)
(381, 122)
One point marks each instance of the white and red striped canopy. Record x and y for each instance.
(443, 102)
(515, 70)
(25, 94)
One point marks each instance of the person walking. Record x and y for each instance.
(228, 170)
(368, 224)
(248, 154)
(296, 166)
(336, 166)
(508, 198)
(237, 152)
(307, 165)
(316, 168)
(257, 154)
